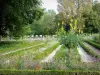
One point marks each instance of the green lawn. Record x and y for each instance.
(14, 45)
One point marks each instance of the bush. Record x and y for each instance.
(94, 44)
(97, 39)
(89, 51)
(48, 72)
(69, 39)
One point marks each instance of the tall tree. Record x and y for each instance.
(92, 22)
(72, 10)
(46, 25)
(96, 8)
(16, 14)
(92, 19)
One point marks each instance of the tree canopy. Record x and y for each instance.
(46, 25)
(71, 10)
(15, 15)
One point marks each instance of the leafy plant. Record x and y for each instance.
(70, 39)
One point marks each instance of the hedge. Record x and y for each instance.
(93, 44)
(89, 51)
(47, 72)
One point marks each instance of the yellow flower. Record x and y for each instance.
(71, 20)
(58, 23)
(63, 22)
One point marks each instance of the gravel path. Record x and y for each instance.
(20, 49)
(84, 56)
(50, 57)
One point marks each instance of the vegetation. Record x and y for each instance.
(16, 15)
(46, 25)
(46, 52)
(91, 52)
(94, 44)
(13, 45)
(29, 34)
(30, 72)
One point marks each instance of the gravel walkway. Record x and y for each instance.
(84, 56)
(50, 57)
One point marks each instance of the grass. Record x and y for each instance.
(46, 52)
(13, 45)
(25, 58)
(61, 55)
(20, 53)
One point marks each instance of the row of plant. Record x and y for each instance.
(77, 64)
(45, 53)
(61, 61)
(89, 51)
(61, 54)
(93, 44)
(47, 72)
(97, 39)
(20, 59)
(20, 53)
(73, 62)
(25, 59)
(14, 45)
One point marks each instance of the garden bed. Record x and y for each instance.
(94, 44)
(89, 51)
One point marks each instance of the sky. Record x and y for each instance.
(51, 4)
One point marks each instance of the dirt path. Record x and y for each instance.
(84, 56)
(50, 57)
(20, 49)
(92, 48)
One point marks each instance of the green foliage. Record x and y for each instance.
(14, 45)
(46, 52)
(92, 19)
(93, 44)
(97, 39)
(92, 22)
(69, 39)
(49, 72)
(46, 25)
(61, 54)
(89, 51)
(36, 28)
(73, 9)
(16, 15)
(96, 8)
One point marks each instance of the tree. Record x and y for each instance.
(71, 15)
(37, 28)
(96, 8)
(46, 25)
(92, 23)
(15, 15)
(92, 19)
(72, 10)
